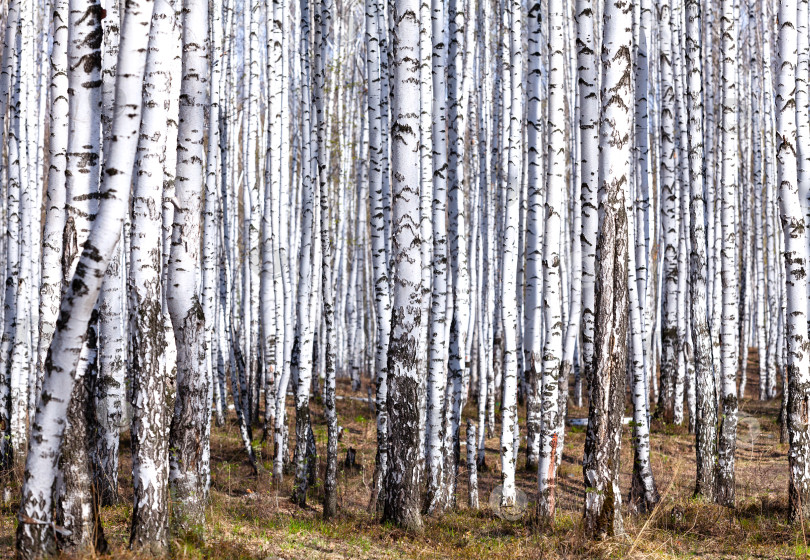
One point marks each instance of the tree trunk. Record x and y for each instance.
(603, 438)
(34, 537)
(402, 478)
(794, 227)
(706, 394)
(727, 435)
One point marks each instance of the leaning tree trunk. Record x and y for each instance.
(35, 538)
(76, 505)
(603, 438)
(402, 479)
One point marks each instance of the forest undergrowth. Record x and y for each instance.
(252, 518)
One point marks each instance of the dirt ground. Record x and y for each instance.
(251, 517)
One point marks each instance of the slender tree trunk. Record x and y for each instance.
(52, 246)
(556, 184)
(76, 505)
(510, 266)
(379, 227)
(706, 395)
(435, 499)
(669, 221)
(307, 259)
(588, 82)
(727, 435)
(327, 241)
(533, 309)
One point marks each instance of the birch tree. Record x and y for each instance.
(552, 257)
(379, 226)
(75, 501)
(402, 476)
(727, 434)
(509, 309)
(435, 500)
(149, 397)
(669, 220)
(793, 225)
(706, 411)
(35, 537)
(588, 82)
(603, 437)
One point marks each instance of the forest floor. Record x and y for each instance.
(250, 517)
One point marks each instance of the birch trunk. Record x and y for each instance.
(509, 310)
(402, 477)
(75, 503)
(556, 185)
(669, 221)
(435, 499)
(794, 227)
(603, 437)
(149, 398)
(706, 395)
(533, 310)
(34, 535)
(727, 436)
(588, 81)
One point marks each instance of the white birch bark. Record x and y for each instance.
(34, 537)
(803, 107)
(556, 185)
(533, 310)
(794, 227)
(7, 82)
(603, 437)
(436, 499)
(402, 477)
(378, 226)
(510, 267)
(728, 336)
(151, 407)
(706, 394)
(307, 271)
(669, 220)
(52, 277)
(588, 80)
(191, 423)
(457, 232)
(75, 504)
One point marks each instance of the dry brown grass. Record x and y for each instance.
(251, 518)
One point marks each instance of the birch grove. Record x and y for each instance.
(380, 255)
